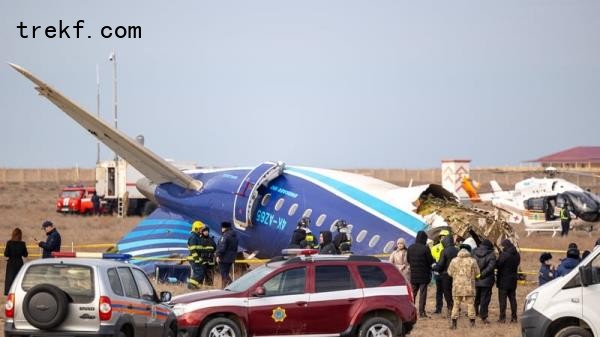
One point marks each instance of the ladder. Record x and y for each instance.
(122, 205)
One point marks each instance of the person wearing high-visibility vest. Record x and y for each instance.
(207, 255)
(436, 252)
(565, 220)
(194, 258)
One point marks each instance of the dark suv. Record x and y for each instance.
(325, 295)
(86, 297)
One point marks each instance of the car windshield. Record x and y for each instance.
(75, 280)
(70, 194)
(244, 282)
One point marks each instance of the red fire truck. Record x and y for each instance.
(75, 199)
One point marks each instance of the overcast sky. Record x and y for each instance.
(341, 84)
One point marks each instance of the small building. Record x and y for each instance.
(577, 157)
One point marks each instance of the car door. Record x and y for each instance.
(132, 305)
(154, 322)
(334, 299)
(282, 309)
(591, 296)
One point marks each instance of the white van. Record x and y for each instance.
(568, 306)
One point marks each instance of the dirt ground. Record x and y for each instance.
(27, 205)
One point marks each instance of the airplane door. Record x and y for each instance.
(246, 194)
(111, 182)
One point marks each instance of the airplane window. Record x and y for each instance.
(389, 247)
(374, 240)
(321, 219)
(293, 209)
(307, 213)
(361, 236)
(279, 204)
(265, 199)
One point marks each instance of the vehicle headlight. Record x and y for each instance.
(530, 301)
(179, 309)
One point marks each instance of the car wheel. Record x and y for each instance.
(573, 331)
(377, 327)
(45, 306)
(221, 327)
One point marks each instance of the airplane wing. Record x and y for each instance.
(148, 163)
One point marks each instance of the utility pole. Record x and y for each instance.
(120, 202)
(97, 109)
(113, 59)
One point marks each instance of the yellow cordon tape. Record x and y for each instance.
(539, 250)
(109, 245)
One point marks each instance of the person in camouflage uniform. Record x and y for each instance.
(463, 269)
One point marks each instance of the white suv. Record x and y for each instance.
(85, 297)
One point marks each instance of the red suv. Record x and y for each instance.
(328, 295)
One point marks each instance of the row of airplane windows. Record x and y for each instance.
(389, 246)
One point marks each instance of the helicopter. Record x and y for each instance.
(536, 202)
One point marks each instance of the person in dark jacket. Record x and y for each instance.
(342, 239)
(299, 235)
(207, 255)
(53, 240)
(195, 280)
(448, 254)
(15, 251)
(96, 203)
(508, 274)
(486, 261)
(585, 254)
(569, 263)
(547, 272)
(565, 220)
(420, 261)
(226, 252)
(326, 246)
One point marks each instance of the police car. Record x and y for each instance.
(325, 295)
(84, 297)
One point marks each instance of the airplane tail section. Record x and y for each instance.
(159, 238)
(148, 163)
(470, 188)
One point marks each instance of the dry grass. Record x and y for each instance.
(27, 205)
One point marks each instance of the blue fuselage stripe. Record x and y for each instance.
(150, 243)
(163, 222)
(375, 203)
(164, 231)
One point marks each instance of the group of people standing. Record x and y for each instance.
(327, 244)
(205, 253)
(462, 274)
(16, 250)
(548, 271)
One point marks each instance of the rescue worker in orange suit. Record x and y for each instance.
(226, 252)
(207, 255)
(194, 258)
